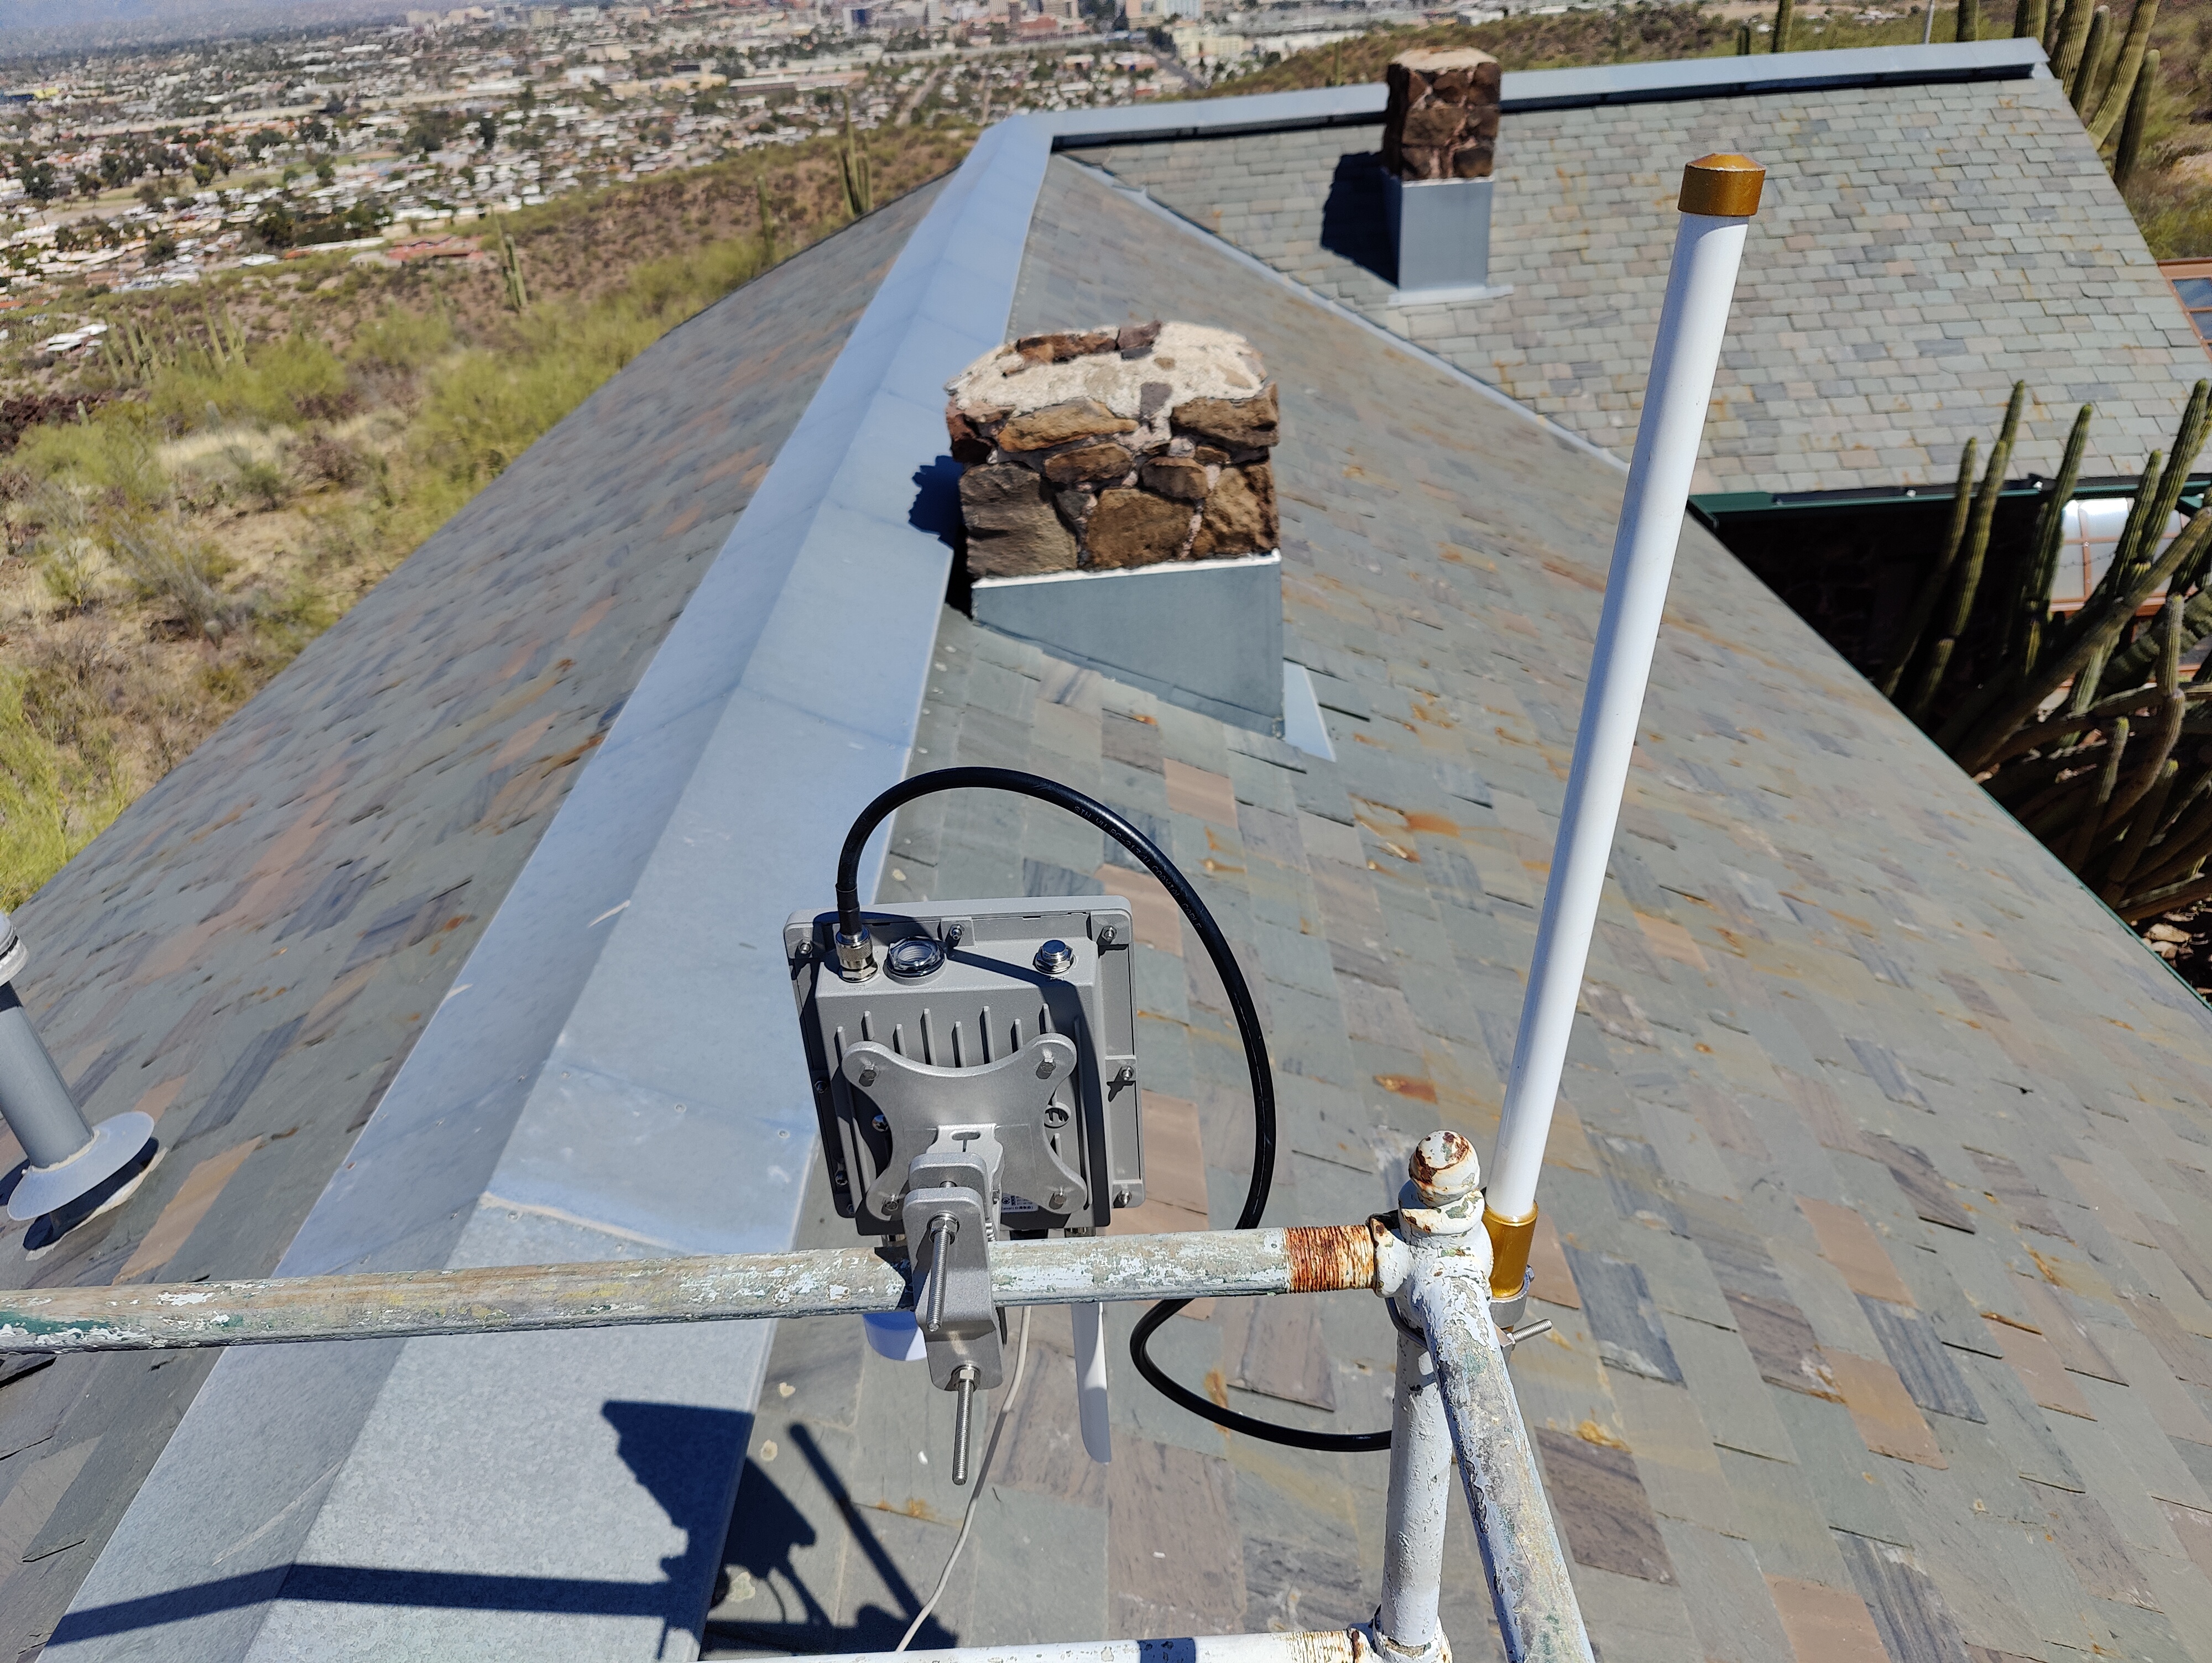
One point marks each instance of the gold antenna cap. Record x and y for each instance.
(1726, 186)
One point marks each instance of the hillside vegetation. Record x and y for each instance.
(245, 459)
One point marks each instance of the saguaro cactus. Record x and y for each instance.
(1958, 603)
(853, 161)
(1939, 575)
(2138, 117)
(2028, 20)
(2071, 36)
(2121, 90)
(2083, 84)
(1785, 12)
(1970, 21)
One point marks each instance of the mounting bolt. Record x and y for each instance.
(1126, 1075)
(1058, 1200)
(1108, 934)
(867, 1073)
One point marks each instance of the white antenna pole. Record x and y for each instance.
(1720, 193)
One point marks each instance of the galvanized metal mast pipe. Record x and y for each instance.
(509, 1299)
(1538, 1617)
(1414, 1511)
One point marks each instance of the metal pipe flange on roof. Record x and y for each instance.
(68, 1161)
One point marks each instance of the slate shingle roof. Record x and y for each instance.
(1878, 1212)
(250, 951)
(1919, 248)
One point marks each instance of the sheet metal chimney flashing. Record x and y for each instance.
(1439, 144)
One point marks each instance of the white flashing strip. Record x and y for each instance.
(1159, 569)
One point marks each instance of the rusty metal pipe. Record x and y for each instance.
(1191, 1265)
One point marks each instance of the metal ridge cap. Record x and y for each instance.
(1551, 89)
(1320, 107)
(1695, 77)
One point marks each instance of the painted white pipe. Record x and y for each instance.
(1090, 1382)
(1407, 1623)
(1719, 196)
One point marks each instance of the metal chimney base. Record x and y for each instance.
(1203, 634)
(1440, 229)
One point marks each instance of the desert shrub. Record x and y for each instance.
(260, 480)
(54, 798)
(322, 455)
(165, 560)
(61, 548)
(400, 341)
(282, 383)
(110, 453)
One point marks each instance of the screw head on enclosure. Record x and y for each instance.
(1723, 186)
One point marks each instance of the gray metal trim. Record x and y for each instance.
(1563, 89)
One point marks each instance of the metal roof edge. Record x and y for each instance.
(622, 1037)
(1738, 77)
(1560, 89)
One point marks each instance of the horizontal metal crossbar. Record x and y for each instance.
(504, 1299)
(1324, 1646)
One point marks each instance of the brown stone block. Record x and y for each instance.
(1040, 544)
(1474, 161)
(1132, 527)
(1062, 424)
(1013, 529)
(1439, 125)
(997, 497)
(1239, 517)
(1179, 477)
(1105, 460)
(1058, 348)
(968, 446)
(1239, 424)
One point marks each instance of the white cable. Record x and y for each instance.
(982, 1471)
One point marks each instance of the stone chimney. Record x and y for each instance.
(1439, 140)
(1113, 448)
(1120, 508)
